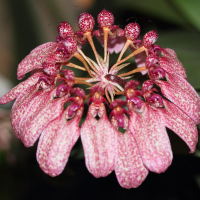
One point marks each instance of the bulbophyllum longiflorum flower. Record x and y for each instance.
(38, 111)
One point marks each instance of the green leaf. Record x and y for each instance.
(189, 10)
(188, 51)
(156, 8)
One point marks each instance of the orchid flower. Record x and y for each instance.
(38, 111)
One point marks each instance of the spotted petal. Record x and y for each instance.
(176, 120)
(146, 141)
(39, 55)
(45, 142)
(181, 93)
(35, 106)
(20, 88)
(67, 136)
(99, 140)
(20, 107)
(51, 111)
(158, 135)
(130, 170)
(174, 65)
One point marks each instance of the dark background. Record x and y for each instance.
(25, 24)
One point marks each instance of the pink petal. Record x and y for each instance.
(89, 141)
(41, 49)
(16, 91)
(107, 143)
(174, 65)
(20, 107)
(140, 60)
(181, 124)
(35, 59)
(99, 140)
(61, 147)
(130, 170)
(150, 156)
(158, 135)
(51, 111)
(35, 106)
(46, 139)
(114, 45)
(181, 93)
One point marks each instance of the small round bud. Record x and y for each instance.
(68, 74)
(132, 31)
(150, 38)
(105, 19)
(70, 45)
(147, 85)
(151, 60)
(49, 68)
(86, 22)
(65, 29)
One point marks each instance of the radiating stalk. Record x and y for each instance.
(137, 51)
(105, 39)
(89, 38)
(139, 69)
(126, 45)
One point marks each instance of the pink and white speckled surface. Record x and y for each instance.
(61, 147)
(40, 100)
(45, 142)
(50, 112)
(181, 93)
(146, 141)
(20, 88)
(158, 135)
(35, 59)
(174, 65)
(19, 109)
(176, 120)
(99, 140)
(130, 170)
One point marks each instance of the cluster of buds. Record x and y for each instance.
(38, 111)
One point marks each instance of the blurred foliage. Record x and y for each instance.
(27, 24)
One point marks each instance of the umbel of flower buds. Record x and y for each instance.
(38, 112)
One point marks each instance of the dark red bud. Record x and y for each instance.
(65, 29)
(150, 38)
(68, 74)
(151, 60)
(86, 22)
(70, 45)
(147, 85)
(132, 31)
(105, 19)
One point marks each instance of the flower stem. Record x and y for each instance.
(68, 64)
(107, 96)
(105, 33)
(139, 69)
(141, 49)
(126, 45)
(79, 57)
(89, 38)
(82, 82)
